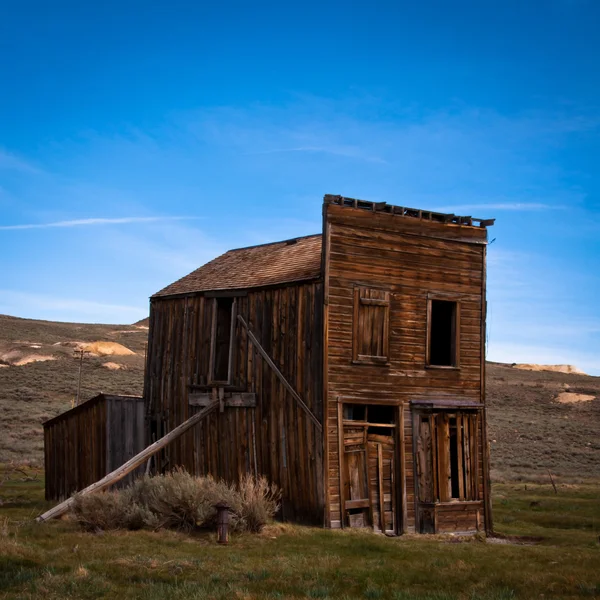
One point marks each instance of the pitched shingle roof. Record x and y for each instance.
(270, 264)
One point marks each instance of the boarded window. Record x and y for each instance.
(223, 328)
(447, 456)
(371, 325)
(442, 333)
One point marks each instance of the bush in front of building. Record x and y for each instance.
(179, 501)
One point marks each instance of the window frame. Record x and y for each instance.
(468, 423)
(213, 346)
(358, 301)
(456, 333)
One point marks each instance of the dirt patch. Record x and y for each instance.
(570, 369)
(104, 349)
(114, 366)
(127, 331)
(573, 398)
(18, 358)
(518, 540)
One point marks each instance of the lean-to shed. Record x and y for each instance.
(92, 439)
(348, 368)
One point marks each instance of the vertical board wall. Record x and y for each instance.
(276, 438)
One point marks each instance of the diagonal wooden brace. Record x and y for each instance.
(279, 374)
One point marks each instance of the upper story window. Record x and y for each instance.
(222, 340)
(443, 326)
(371, 325)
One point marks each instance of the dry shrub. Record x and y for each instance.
(100, 511)
(259, 501)
(179, 501)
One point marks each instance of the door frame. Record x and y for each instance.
(399, 491)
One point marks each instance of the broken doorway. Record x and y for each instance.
(369, 466)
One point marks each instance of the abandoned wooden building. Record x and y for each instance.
(346, 367)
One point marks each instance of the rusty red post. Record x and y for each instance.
(222, 523)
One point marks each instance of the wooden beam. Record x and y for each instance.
(341, 458)
(400, 440)
(380, 486)
(279, 374)
(235, 399)
(130, 465)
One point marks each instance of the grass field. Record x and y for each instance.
(56, 560)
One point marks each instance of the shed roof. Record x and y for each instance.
(83, 406)
(298, 259)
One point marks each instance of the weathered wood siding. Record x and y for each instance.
(409, 258)
(80, 449)
(276, 438)
(125, 433)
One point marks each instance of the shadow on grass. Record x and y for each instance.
(16, 572)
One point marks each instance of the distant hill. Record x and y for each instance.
(530, 430)
(39, 369)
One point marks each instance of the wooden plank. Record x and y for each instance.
(231, 400)
(443, 456)
(401, 486)
(341, 457)
(460, 457)
(352, 504)
(380, 485)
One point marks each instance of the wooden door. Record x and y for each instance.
(382, 482)
(356, 494)
(369, 479)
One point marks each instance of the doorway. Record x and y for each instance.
(369, 466)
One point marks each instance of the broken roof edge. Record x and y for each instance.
(415, 213)
(289, 241)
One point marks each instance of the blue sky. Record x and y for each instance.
(140, 139)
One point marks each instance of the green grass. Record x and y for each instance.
(56, 560)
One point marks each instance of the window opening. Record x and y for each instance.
(447, 456)
(355, 412)
(442, 333)
(380, 413)
(222, 332)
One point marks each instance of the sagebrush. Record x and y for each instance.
(179, 501)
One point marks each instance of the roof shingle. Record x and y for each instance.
(270, 264)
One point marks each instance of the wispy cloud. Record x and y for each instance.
(10, 161)
(345, 151)
(94, 221)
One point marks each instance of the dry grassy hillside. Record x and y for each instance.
(32, 392)
(530, 431)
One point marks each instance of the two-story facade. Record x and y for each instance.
(348, 368)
